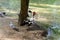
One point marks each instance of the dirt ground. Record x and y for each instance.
(7, 33)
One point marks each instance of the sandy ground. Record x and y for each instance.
(7, 33)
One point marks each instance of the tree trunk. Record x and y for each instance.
(24, 11)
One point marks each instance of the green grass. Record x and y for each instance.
(40, 6)
(42, 1)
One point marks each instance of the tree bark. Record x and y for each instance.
(24, 11)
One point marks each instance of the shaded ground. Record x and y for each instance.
(7, 33)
